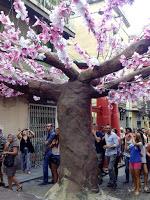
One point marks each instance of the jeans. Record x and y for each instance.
(116, 166)
(100, 160)
(127, 168)
(46, 166)
(111, 168)
(25, 160)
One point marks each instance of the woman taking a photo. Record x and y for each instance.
(26, 149)
(10, 153)
(135, 160)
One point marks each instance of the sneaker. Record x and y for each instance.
(125, 182)
(100, 182)
(131, 189)
(51, 182)
(2, 184)
(114, 186)
(136, 193)
(28, 172)
(44, 183)
(110, 185)
(146, 189)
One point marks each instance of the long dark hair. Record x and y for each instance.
(141, 134)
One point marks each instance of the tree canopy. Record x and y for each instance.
(124, 76)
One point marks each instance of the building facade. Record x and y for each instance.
(135, 114)
(22, 112)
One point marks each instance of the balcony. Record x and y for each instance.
(44, 8)
(48, 4)
(45, 5)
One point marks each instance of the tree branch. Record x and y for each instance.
(52, 59)
(114, 64)
(115, 83)
(38, 88)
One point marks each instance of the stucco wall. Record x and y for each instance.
(86, 39)
(13, 114)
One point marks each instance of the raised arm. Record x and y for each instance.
(19, 135)
(31, 134)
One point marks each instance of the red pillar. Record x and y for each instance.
(104, 116)
(115, 121)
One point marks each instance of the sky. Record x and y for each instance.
(138, 15)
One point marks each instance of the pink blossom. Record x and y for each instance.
(21, 11)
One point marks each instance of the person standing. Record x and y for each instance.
(135, 161)
(100, 151)
(148, 156)
(118, 157)
(54, 161)
(10, 153)
(48, 152)
(26, 149)
(111, 153)
(144, 160)
(127, 142)
(2, 146)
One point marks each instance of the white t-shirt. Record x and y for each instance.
(56, 151)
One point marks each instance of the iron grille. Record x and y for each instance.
(39, 116)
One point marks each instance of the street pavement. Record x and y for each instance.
(24, 177)
(122, 191)
(32, 190)
(6, 194)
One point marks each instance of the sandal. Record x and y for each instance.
(19, 188)
(2, 184)
(146, 189)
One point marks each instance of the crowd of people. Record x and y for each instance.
(13, 144)
(133, 147)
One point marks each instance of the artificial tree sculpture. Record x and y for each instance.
(121, 77)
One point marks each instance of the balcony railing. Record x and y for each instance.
(48, 4)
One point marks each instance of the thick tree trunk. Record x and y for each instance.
(78, 172)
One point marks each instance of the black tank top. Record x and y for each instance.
(26, 144)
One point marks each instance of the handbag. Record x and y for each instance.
(9, 160)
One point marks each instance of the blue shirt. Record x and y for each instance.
(49, 139)
(111, 139)
(99, 145)
(135, 154)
